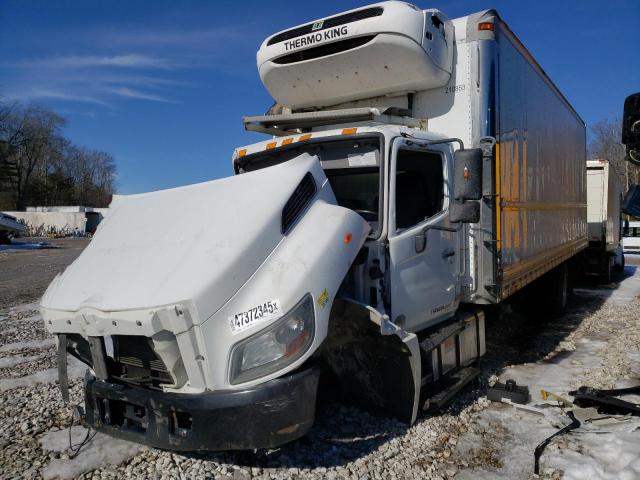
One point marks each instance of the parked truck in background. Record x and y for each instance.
(604, 220)
(417, 169)
(631, 237)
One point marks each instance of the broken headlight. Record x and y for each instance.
(276, 346)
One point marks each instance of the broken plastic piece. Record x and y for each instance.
(63, 378)
(524, 408)
(508, 390)
(545, 396)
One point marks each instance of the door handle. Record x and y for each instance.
(448, 253)
(420, 240)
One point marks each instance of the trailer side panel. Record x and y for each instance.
(540, 170)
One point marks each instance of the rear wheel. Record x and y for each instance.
(606, 274)
(559, 290)
(619, 267)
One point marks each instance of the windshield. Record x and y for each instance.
(352, 167)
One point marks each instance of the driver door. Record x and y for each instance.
(424, 283)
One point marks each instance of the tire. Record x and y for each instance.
(606, 274)
(559, 290)
(619, 267)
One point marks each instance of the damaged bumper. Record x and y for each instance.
(264, 416)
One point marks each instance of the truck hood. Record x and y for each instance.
(196, 244)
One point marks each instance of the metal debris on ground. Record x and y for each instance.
(508, 390)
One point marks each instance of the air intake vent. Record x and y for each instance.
(324, 50)
(328, 23)
(296, 204)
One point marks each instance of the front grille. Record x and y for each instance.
(134, 361)
(328, 23)
(296, 204)
(324, 50)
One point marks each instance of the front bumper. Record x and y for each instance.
(264, 416)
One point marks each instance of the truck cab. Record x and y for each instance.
(398, 180)
(405, 282)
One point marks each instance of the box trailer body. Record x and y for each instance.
(537, 178)
(604, 194)
(418, 168)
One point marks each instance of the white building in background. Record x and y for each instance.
(65, 220)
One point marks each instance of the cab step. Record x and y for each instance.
(450, 386)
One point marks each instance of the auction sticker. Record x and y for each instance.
(265, 311)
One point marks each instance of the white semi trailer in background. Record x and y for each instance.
(604, 220)
(417, 168)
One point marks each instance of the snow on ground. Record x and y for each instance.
(12, 361)
(26, 307)
(612, 456)
(75, 369)
(597, 344)
(602, 352)
(26, 246)
(28, 344)
(101, 450)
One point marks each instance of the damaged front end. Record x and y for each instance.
(139, 389)
(205, 338)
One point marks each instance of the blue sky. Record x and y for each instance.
(162, 85)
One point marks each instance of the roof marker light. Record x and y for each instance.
(287, 141)
(242, 153)
(486, 26)
(271, 145)
(304, 137)
(349, 131)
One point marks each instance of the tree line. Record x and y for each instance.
(40, 166)
(606, 144)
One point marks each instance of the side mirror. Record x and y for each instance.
(464, 212)
(467, 186)
(631, 127)
(631, 120)
(467, 174)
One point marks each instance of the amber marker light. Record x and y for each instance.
(271, 145)
(347, 238)
(349, 131)
(242, 153)
(486, 26)
(304, 137)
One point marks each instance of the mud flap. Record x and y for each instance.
(63, 377)
(376, 364)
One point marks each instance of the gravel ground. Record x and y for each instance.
(24, 275)
(345, 442)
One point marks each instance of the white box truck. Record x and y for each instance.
(604, 219)
(417, 168)
(631, 237)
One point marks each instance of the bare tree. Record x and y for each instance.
(41, 139)
(606, 144)
(39, 166)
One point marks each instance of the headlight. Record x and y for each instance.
(275, 347)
